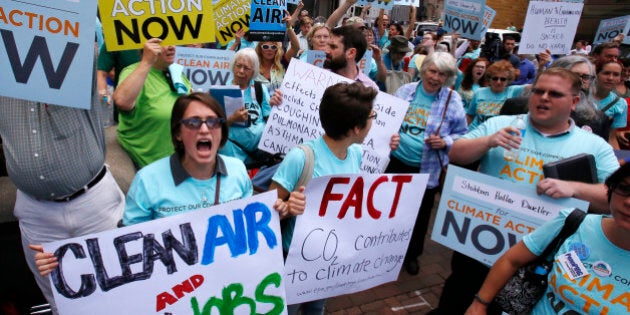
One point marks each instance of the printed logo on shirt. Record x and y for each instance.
(572, 265)
(601, 268)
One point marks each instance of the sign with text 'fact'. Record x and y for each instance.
(205, 67)
(47, 51)
(481, 216)
(297, 119)
(353, 235)
(550, 25)
(207, 261)
(128, 24)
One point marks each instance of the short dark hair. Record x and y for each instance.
(599, 48)
(351, 37)
(177, 114)
(345, 106)
(616, 178)
(576, 82)
(508, 37)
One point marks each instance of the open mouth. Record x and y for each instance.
(542, 107)
(204, 145)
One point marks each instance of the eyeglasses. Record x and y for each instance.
(272, 47)
(244, 67)
(373, 115)
(194, 123)
(551, 93)
(586, 77)
(499, 79)
(622, 190)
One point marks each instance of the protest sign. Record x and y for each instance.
(488, 16)
(205, 67)
(550, 25)
(415, 3)
(128, 24)
(231, 16)
(266, 20)
(316, 57)
(348, 239)
(203, 261)
(47, 50)
(380, 4)
(481, 216)
(365, 64)
(464, 17)
(610, 28)
(297, 119)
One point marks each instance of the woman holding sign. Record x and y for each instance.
(434, 119)
(599, 250)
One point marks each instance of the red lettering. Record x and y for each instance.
(163, 299)
(187, 286)
(400, 180)
(329, 196)
(374, 213)
(355, 199)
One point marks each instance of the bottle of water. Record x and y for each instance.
(518, 123)
(107, 110)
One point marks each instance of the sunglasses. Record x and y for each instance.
(195, 123)
(272, 47)
(586, 77)
(552, 93)
(499, 79)
(622, 190)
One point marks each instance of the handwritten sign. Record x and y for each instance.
(231, 16)
(297, 119)
(205, 67)
(266, 21)
(127, 24)
(316, 57)
(185, 264)
(380, 4)
(464, 17)
(610, 28)
(550, 25)
(46, 51)
(348, 239)
(482, 216)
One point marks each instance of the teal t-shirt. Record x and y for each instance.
(412, 130)
(537, 149)
(618, 112)
(604, 290)
(486, 104)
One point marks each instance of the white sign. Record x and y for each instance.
(297, 119)
(550, 25)
(353, 234)
(194, 263)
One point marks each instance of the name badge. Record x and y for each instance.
(572, 265)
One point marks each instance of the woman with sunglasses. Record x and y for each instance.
(487, 101)
(615, 107)
(601, 244)
(271, 71)
(434, 119)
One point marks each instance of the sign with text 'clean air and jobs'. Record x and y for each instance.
(481, 216)
(47, 51)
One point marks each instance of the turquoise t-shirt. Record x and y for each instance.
(467, 95)
(618, 112)
(604, 290)
(412, 130)
(486, 104)
(248, 137)
(153, 194)
(537, 149)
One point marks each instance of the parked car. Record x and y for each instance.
(425, 26)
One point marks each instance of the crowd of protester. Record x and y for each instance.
(180, 140)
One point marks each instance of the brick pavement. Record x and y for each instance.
(417, 294)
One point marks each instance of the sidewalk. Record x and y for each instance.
(417, 294)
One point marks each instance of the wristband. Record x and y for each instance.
(480, 300)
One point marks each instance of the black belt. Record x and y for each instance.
(83, 190)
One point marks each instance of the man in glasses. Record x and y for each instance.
(550, 135)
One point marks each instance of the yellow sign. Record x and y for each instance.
(231, 16)
(127, 24)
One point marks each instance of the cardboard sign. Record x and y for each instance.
(610, 28)
(202, 261)
(266, 20)
(128, 24)
(464, 17)
(550, 25)
(47, 51)
(297, 119)
(353, 234)
(205, 67)
(231, 16)
(482, 216)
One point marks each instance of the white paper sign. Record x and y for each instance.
(297, 119)
(203, 261)
(353, 234)
(550, 25)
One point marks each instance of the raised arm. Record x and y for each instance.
(127, 91)
(293, 39)
(335, 17)
(412, 21)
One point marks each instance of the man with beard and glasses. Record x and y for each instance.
(345, 48)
